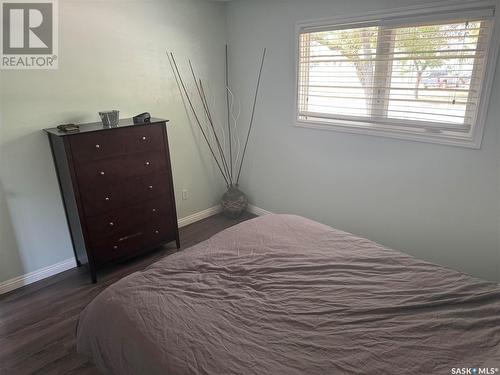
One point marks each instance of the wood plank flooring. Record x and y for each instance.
(37, 322)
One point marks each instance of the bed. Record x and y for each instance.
(281, 294)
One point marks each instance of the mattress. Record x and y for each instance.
(281, 294)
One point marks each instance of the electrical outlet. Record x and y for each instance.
(185, 195)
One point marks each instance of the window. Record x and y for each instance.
(420, 77)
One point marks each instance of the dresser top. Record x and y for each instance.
(98, 126)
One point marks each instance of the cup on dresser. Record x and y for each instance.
(110, 118)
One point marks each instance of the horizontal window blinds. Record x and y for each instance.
(423, 74)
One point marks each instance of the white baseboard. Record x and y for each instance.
(198, 216)
(37, 275)
(42, 273)
(31, 277)
(257, 210)
(215, 210)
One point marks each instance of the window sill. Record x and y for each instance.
(466, 140)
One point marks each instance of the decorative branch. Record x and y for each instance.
(177, 72)
(209, 131)
(229, 120)
(235, 125)
(204, 102)
(221, 150)
(253, 113)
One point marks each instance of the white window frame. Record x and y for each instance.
(472, 139)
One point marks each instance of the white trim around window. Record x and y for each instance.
(466, 132)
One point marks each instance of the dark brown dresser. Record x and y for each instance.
(117, 190)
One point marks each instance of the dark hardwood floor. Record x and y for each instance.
(37, 322)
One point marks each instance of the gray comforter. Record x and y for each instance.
(281, 294)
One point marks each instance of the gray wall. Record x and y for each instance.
(436, 202)
(112, 55)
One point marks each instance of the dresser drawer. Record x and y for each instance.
(143, 138)
(115, 142)
(133, 242)
(119, 222)
(108, 171)
(122, 194)
(96, 145)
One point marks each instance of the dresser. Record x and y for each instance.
(117, 190)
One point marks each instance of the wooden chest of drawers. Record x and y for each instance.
(116, 185)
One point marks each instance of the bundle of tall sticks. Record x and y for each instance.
(210, 134)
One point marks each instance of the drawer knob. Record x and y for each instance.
(106, 199)
(111, 224)
(115, 247)
(101, 173)
(144, 138)
(154, 210)
(150, 187)
(157, 232)
(147, 163)
(97, 146)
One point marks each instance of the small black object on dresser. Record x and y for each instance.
(117, 189)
